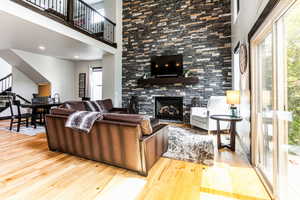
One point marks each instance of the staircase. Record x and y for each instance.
(5, 89)
(5, 84)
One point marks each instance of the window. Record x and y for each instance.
(96, 83)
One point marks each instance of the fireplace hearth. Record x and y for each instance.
(169, 108)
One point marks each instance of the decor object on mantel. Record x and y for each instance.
(168, 80)
(190, 145)
(145, 76)
(233, 98)
(186, 73)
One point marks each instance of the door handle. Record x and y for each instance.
(284, 115)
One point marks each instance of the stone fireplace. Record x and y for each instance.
(169, 108)
(200, 31)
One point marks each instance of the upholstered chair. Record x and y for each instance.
(200, 116)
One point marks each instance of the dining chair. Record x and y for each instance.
(18, 117)
(40, 112)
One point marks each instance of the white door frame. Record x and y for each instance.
(270, 25)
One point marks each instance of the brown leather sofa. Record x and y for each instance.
(123, 140)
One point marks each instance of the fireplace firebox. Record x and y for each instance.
(169, 108)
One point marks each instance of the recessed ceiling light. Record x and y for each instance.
(42, 48)
(76, 57)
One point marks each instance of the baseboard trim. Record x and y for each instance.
(244, 148)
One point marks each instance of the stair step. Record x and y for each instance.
(5, 91)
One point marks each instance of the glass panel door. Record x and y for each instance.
(288, 28)
(265, 106)
(276, 101)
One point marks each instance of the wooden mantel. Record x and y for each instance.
(168, 81)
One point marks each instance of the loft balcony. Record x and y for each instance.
(77, 15)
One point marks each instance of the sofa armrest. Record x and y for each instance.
(199, 111)
(154, 146)
(143, 121)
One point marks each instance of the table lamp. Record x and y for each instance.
(233, 98)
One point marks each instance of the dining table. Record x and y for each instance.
(36, 106)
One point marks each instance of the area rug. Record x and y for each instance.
(30, 131)
(190, 145)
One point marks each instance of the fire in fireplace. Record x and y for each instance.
(169, 108)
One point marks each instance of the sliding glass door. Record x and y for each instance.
(288, 27)
(276, 101)
(265, 105)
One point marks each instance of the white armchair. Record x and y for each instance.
(200, 117)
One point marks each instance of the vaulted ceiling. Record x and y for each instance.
(17, 33)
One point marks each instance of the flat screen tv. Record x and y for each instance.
(167, 66)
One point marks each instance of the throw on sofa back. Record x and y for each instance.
(105, 104)
(74, 105)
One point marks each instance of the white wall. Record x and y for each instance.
(5, 68)
(108, 77)
(249, 13)
(112, 64)
(59, 72)
(98, 5)
(22, 85)
(110, 9)
(84, 67)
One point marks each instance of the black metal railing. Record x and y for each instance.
(80, 15)
(89, 19)
(54, 6)
(5, 83)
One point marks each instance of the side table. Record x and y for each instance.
(232, 131)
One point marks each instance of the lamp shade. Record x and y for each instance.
(233, 97)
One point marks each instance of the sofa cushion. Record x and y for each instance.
(61, 111)
(142, 120)
(200, 119)
(74, 105)
(106, 105)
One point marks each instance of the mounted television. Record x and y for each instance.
(167, 66)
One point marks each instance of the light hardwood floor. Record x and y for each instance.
(29, 171)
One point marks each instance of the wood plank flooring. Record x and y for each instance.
(28, 171)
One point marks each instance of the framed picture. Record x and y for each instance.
(82, 84)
